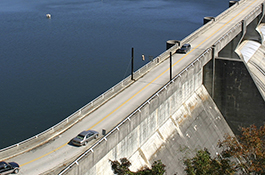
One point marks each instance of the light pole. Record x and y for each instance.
(170, 62)
(132, 65)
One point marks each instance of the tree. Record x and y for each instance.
(248, 149)
(122, 168)
(242, 154)
(203, 164)
(158, 168)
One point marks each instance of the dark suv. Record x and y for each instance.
(184, 49)
(8, 168)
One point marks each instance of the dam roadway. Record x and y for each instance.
(57, 153)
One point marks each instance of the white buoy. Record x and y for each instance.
(48, 15)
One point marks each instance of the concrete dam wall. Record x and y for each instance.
(239, 85)
(198, 124)
(181, 115)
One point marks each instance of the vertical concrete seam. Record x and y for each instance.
(159, 133)
(177, 127)
(141, 153)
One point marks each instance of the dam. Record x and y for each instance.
(216, 87)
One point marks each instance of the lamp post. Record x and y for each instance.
(170, 62)
(132, 65)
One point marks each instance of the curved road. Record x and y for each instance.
(58, 152)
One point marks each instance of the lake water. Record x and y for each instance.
(49, 68)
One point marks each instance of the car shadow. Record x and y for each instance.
(70, 143)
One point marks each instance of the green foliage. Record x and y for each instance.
(158, 168)
(122, 168)
(203, 164)
(244, 155)
(248, 149)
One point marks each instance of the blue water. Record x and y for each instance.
(49, 68)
